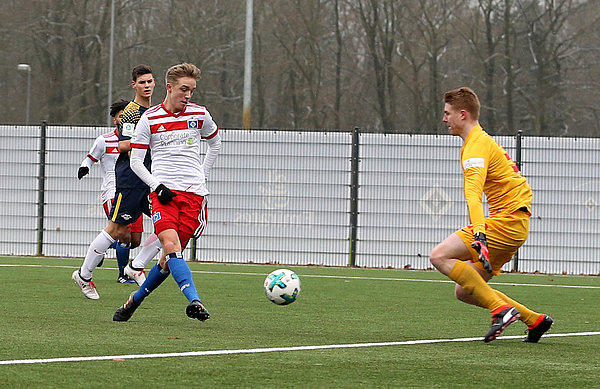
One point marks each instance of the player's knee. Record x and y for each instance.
(169, 247)
(460, 293)
(437, 256)
(136, 240)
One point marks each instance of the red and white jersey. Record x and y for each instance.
(174, 143)
(105, 151)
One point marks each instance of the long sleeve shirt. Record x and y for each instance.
(488, 169)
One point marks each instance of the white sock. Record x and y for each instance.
(149, 250)
(95, 253)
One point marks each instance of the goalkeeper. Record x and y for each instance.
(474, 254)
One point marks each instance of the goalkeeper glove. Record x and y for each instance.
(83, 171)
(164, 194)
(481, 246)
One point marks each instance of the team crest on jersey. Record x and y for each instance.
(128, 129)
(192, 123)
(155, 217)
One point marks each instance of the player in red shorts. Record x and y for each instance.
(173, 131)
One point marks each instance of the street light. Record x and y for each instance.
(26, 68)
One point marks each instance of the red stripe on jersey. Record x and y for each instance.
(92, 158)
(152, 110)
(211, 135)
(172, 126)
(179, 114)
(166, 115)
(194, 109)
(191, 113)
(175, 115)
(112, 150)
(138, 146)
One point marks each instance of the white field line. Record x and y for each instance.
(265, 350)
(279, 349)
(326, 276)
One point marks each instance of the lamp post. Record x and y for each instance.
(110, 62)
(26, 68)
(248, 66)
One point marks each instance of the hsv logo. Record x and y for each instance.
(156, 217)
(176, 126)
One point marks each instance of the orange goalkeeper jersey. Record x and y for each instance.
(488, 169)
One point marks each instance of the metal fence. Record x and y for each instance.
(292, 197)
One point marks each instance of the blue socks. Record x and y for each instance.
(182, 275)
(155, 277)
(122, 250)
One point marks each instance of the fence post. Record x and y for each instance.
(193, 243)
(41, 189)
(515, 261)
(354, 160)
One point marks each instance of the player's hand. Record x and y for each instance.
(481, 246)
(164, 194)
(83, 171)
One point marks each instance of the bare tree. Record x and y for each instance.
(550, 42)
(481, 28)
(378, 19)
(304, 34)
(381, 65)
(509, 72)
(70, 38)
(434, 21)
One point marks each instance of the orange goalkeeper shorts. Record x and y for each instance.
(505, 233)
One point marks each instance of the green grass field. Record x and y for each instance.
(43, 315)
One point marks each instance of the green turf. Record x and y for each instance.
(44, 315)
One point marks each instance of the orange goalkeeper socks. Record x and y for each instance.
(528, 316)
(463, 274)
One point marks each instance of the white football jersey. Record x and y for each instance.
(174, 143)
(105, 151)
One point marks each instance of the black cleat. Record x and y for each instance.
(124, 279)
(500, 321)
(125, 312)
(196, 310)
(534, 334)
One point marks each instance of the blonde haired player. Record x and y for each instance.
(173, 131)
(474, 254)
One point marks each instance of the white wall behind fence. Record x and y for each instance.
(284, 197)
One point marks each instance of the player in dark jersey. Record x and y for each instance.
(105, 152)
(131, 195)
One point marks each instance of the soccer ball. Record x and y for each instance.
(282, 286)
